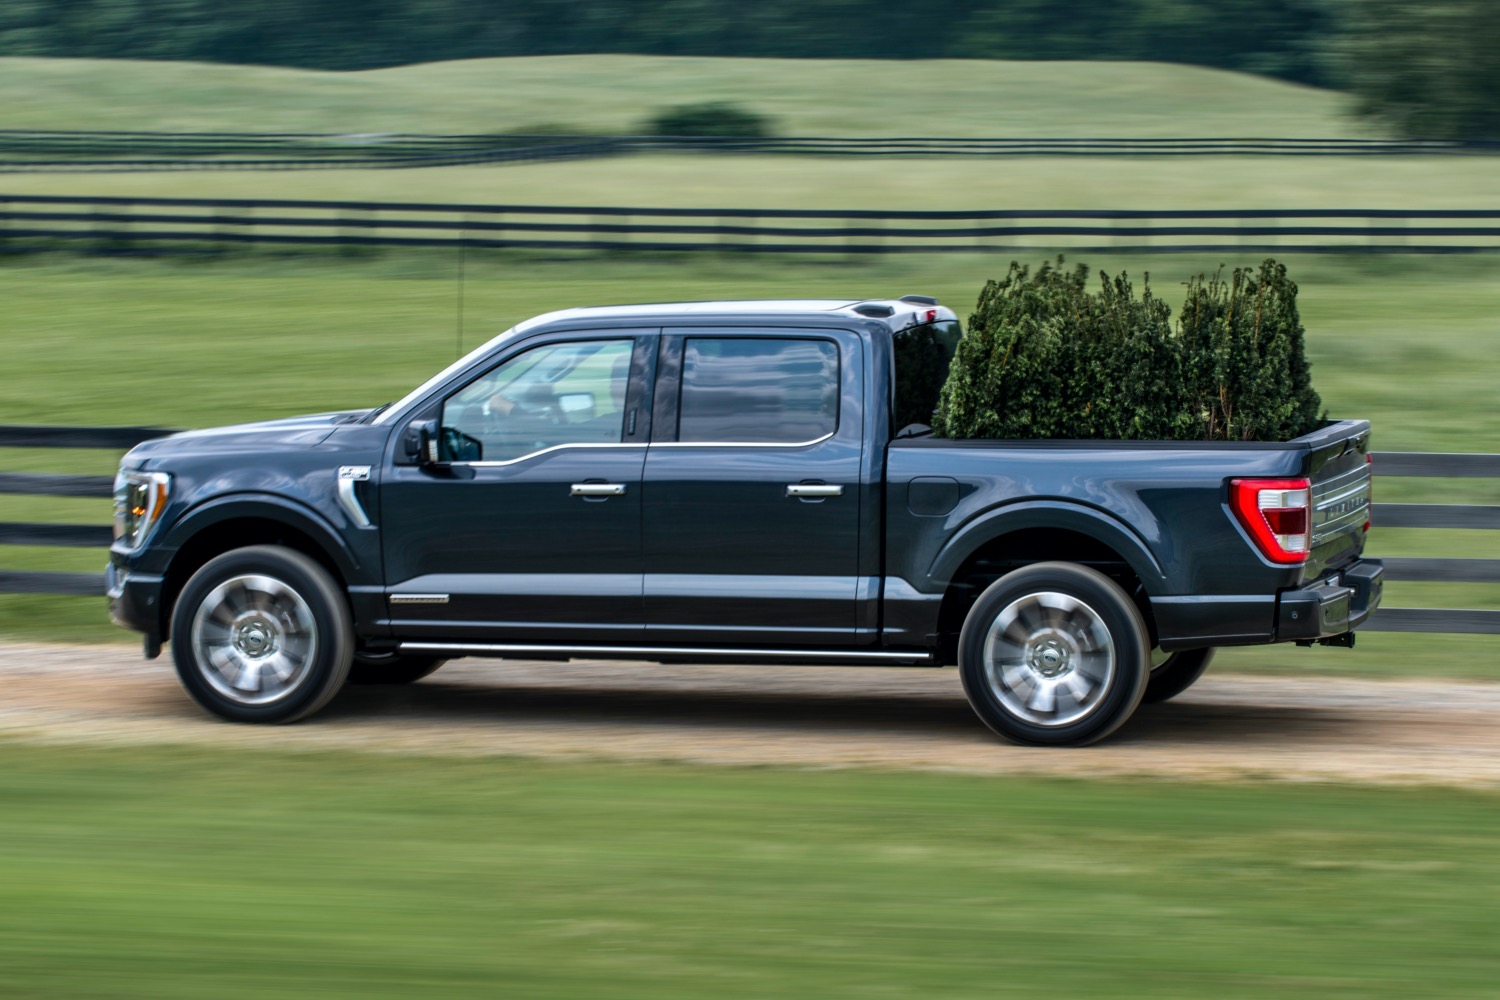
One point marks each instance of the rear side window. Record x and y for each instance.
(922, 356)
(770, 390)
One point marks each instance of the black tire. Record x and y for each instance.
(250, 614)
(1176, 674)
(391, 668)
(1060, 628)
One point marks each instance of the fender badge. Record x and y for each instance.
(357, 473)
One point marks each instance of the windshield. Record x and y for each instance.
(441, 377)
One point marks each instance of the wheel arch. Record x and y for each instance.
(236, 522)
(1023, 534)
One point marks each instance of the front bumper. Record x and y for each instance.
(1335, 605)
(135, 601)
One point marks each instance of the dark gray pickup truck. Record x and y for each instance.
(729, 481)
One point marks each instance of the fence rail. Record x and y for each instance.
(51, 151)
(1388, 464)
(157, 225)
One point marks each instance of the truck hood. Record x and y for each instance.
(288, 432)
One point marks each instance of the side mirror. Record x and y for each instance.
(420, 442)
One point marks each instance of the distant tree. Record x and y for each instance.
(718, 119)
(1429, 70)
(1285, 38)
(1281, 37)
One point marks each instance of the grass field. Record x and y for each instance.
(165, 873)
(830, 183)
(617, 93)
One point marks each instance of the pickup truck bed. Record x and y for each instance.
(1151, 514)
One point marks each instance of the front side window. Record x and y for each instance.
(769, 390)
(556, 394)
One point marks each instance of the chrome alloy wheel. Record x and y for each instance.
(1048, 658)
(254, 639)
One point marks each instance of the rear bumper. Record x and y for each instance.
(1337, 604)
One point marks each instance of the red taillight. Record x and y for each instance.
(930, 316)
(1276, 513)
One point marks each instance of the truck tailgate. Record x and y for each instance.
(1339, 470)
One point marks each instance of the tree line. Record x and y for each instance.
(1427, 70)
(1262, 36)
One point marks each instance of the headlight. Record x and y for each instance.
(140, 498)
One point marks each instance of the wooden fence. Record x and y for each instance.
(24, 150)
(1386, 515)
(119, 225)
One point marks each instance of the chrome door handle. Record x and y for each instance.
(813, 490)
(598, 490)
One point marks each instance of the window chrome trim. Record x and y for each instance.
(486, 464)
(744, 444)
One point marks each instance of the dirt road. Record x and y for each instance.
(1306, 729)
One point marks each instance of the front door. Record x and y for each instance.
(529, 525)
(752, 488)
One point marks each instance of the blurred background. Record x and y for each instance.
(212, 213)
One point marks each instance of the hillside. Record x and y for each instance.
(615, 93)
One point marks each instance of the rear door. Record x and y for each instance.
(751, 487)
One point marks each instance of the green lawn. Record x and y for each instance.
(173, 873)
(827, 183)
(616, 93)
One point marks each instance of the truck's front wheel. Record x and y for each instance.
(262, 634)
(1054, 654)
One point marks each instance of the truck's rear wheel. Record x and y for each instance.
(1054, 654)
(1175, 674)
(262, 634)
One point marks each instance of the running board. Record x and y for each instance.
(915, 658)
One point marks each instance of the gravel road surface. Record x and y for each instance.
(1227, 726)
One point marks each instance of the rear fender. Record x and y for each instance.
(1031, 514)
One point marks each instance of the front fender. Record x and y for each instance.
(266, 507)
(1032, 514)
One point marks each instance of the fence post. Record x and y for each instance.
(221, 231)
(345, 233)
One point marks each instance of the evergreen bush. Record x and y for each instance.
(1243, 341)
(719, 119)
(1044, 357)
